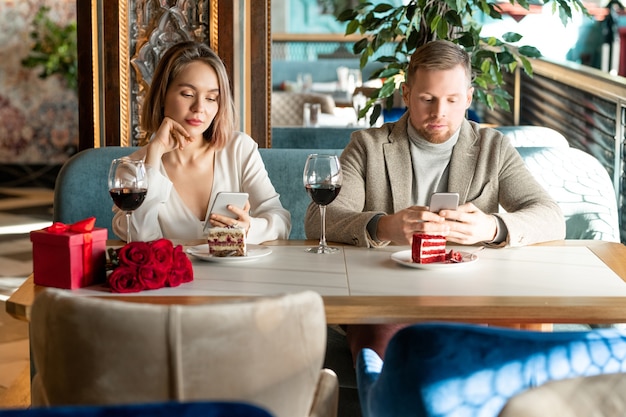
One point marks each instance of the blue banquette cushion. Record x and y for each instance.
(81, 187)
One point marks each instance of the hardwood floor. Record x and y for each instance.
(21, 210)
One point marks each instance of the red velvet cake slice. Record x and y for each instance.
(427, 249)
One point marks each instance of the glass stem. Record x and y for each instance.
(128, 239)
(323, 219)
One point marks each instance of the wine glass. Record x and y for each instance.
(128, 185)
(322, 180)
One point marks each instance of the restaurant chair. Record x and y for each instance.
(267, 351)
(591, 396)
(287, 107)
(166, 409)
(450, 369)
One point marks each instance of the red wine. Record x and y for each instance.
(128, 199)
(323, 194)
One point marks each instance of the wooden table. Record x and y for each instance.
(555, 282)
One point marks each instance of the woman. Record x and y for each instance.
(194, 153)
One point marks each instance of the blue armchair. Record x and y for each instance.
(437, 369)
(167, 409)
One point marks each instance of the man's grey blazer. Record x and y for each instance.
(485, 169)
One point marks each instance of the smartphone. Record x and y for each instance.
(443, 201)
(224, 199)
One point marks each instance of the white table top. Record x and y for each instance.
(526, 271)
(555, 282)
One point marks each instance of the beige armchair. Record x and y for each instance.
(287, 107)
(267, 351)
(590, 396)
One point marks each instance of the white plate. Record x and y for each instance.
(253, 252)
(405, 258)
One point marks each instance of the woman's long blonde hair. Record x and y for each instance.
(173, 61)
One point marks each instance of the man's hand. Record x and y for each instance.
(469, 225)
(400, 227)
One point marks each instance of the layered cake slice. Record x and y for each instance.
(227, 241)
(428, 248)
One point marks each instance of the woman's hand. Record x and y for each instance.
(170, 136)
(243, 218)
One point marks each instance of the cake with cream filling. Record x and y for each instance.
(428, 248)
(227, 241)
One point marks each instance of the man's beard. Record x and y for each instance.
(438, 136)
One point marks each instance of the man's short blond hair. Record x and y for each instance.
(439, 55)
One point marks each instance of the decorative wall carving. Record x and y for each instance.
(153, 27)
(142, 30)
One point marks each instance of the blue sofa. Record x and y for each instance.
(575, 179)
(338, 137)
(319, 137)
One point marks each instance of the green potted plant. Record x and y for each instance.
(420, 21)
(54, 49)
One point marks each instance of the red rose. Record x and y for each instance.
(182, 270)
(174, 278)
(124, 279)
(152, 277)
(162, 250)
(135, 254)
(148, 266)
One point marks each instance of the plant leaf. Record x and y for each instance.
(529, 51)
(511, 37)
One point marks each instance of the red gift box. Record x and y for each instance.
(69, 256)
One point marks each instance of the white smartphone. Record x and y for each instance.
(224, 199)
(443, 201)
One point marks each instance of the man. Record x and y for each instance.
(390, 173)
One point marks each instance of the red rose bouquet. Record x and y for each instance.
(141, 266)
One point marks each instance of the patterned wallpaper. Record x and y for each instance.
(38, 117)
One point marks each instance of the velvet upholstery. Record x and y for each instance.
(324, 137)
(169, 409)
(285, 168)
(338, 137)
(591, 396)
(449, 369)
(267, 351)
(81, 188)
